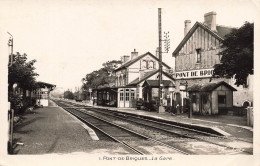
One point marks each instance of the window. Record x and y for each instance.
(107, 95)
(132, 95)
(121, 95)
(222, 99)
(198, 55)
(144, 64)
(127, 95)
(151, 65)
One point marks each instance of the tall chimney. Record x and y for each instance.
(126, 58)
(210, 20)
(134, 54)
(187, 26)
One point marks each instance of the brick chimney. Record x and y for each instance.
(126, 58)
(134, 54)
(210, 20)
(187, 26)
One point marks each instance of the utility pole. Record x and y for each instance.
(167, 46)
(161, 108)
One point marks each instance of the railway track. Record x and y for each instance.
(175, 130)
(115, 132)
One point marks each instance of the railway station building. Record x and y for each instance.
(195, 57)
(130, 77)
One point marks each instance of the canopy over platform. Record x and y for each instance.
(44, 84)
(155, 83)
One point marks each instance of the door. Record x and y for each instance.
(121, 98)
(132, 99)
(127, 98)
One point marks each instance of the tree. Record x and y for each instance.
(22, 73)
(101, 77)
(238, 55)
(68, 95)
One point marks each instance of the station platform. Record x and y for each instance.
(50, 130)
(228, 125)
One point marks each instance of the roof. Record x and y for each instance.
(209, 87)
(43, 84)
(220, 34)
(222, 31)
(155, 83)
(138, 58)
(147, 75)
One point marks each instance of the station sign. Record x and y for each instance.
(202, 73)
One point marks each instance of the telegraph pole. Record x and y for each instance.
(161, 108)
(167, 47)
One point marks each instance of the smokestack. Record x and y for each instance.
(134, 54)
(126, 58)
(210, 20)
(187, 26)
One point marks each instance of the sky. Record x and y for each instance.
(70, 39)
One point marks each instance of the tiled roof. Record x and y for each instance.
(222, 31)
(208, 87)
(147, 75)
(138, 58)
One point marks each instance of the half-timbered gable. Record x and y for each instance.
(199, 49)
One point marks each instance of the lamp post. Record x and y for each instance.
(183, 87)
(11, 45)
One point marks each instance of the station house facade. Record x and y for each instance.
(130, 77)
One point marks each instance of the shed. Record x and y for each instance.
(211, 98)
(43, 93)
(150, 90)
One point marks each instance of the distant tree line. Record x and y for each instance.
(103, 77)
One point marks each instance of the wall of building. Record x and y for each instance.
(200, 39)
(243, 93)
(132, 72)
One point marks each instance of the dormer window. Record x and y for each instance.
(151, 65)
(198, 55)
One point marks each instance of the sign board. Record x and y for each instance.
(202, 73)
(182, 87)
(90, 90)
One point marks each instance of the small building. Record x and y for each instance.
(151, 91)
(211, 98)
(106, 96)
(43, 93)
